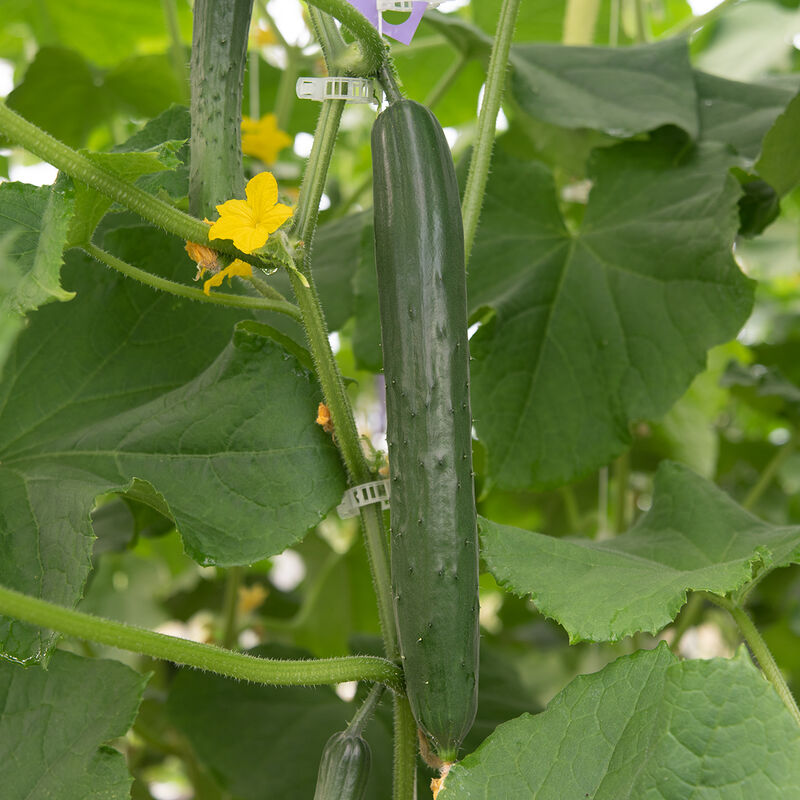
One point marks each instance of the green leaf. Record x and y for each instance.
(62, 94)
(593, 330)
(647, 727)
(55, 724)
(602, 88)
(33, 229)
(265, 742)
(130, 384)
(738, 113)
(779, 162)
(693, 538)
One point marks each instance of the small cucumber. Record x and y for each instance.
(419, 246)
(344, 768)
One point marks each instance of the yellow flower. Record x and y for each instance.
(250, 222)
(236, 267)
(263, 139)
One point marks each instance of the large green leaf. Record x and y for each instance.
(264, 742)
(604, 326)
(647, 727)
(694, 537)
(130, 384)
(33, 229)
(779, 162)
(738, 113)
(55, 724)
(603, 88)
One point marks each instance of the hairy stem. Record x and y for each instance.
(190, 292)
(484, 142)
(373, 50)
(759, 649)
(230, 604)
(284, 100)
(202, 656)
(366, 710)
(688, 617)
(79, 167)
(404, 784)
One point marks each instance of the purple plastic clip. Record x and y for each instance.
(402, 32)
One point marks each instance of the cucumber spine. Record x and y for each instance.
(422, 294)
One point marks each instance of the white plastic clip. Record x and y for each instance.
(364, 495)
(355, 90)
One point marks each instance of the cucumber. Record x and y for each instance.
(419, 247)
(344, 768)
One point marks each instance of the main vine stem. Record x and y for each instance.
(760, 650)
(487, 120)
(192, 654)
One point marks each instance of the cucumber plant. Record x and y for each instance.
(634, 456)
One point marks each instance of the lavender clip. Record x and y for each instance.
(402, 32)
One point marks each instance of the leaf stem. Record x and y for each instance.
(688, 617)
(177, 53)
(79, 167)
(767, 476)
(487, 120)
(262, 10)
(580, 19)
(230, 603)
(190, 292)
(693, 24)
(448, 78)
(373, 49)
(759, 649)
(286, 95)
(404, 769)
(622, 471)
(192, 654)
(366, 710)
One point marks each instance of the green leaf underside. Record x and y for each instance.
(266, 742)
(55, 723)
(228, 438)
(607, 325)
(693, 538)
(647, 727)
(622, 91)
(33, 228)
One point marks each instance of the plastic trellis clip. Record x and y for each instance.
(402, 31)
(355, 90)
(366, 494)
(404, 5)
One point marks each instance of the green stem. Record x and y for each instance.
(190, 292)
(580, 19)
(373, 50)
(77, 166)
(571, 508)
(759, 649)
(262, 10)
(613, 23)
(767, 476)
(446, 81)
(622, 471)
(286, 95)
(177, 53)
(328, 37)
(265, 290)
(254, 95)
(404, 768)
(364, 714)
(484, 142)
(694, 24)
(305, 216)
(642, 34)
(192, 654)
(230, 604)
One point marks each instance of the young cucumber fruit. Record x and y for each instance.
(419, 246)
(344, 768)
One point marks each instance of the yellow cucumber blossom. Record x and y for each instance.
(204, 257)
(237, 267)
(250, 222)
(263, 139)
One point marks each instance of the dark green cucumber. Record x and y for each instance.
(419, 246)
(344, 768)
(219, 53)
